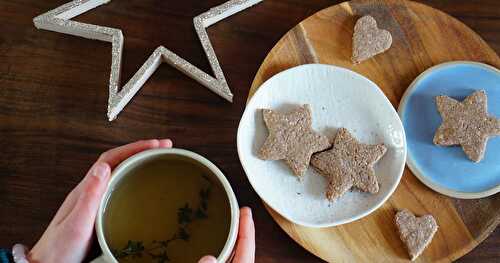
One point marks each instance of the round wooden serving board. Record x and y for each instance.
(422, 37)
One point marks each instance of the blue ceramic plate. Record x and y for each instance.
(447, 169)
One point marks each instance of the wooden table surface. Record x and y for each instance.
(54, 91)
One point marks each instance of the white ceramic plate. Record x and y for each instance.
(338, 98)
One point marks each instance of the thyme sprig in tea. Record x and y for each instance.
(158, 248)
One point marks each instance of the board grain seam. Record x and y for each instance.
(304, 47)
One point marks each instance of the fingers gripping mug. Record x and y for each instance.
(152, 183)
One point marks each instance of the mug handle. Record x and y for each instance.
(100, 259)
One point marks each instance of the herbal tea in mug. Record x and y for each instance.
(168, 209)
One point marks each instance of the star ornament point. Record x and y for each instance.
(466, 123)
(59, 20)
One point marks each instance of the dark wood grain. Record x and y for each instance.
(53, 96)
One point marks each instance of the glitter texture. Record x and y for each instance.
(59, 20)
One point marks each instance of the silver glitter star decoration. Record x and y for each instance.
(59, 20)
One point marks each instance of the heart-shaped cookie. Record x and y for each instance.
(368, 40)
(415, 232)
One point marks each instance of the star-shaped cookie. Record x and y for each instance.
(348, 164)
(415, 232)
(466, 123)
(291, 138)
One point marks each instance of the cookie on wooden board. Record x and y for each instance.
(368, 40)
(415, 232)
(291, 138)
(466, 123)
(348, 164)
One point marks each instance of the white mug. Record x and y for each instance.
(130, 163)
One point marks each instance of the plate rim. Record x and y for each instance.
(339, 222)
(409, 158)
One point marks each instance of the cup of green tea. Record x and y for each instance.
(167, 205)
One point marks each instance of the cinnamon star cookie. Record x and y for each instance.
(466, 123)
(291, 138)
(348, 164)
(415, 232)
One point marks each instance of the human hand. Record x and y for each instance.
(68, 237)
(245, 244)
